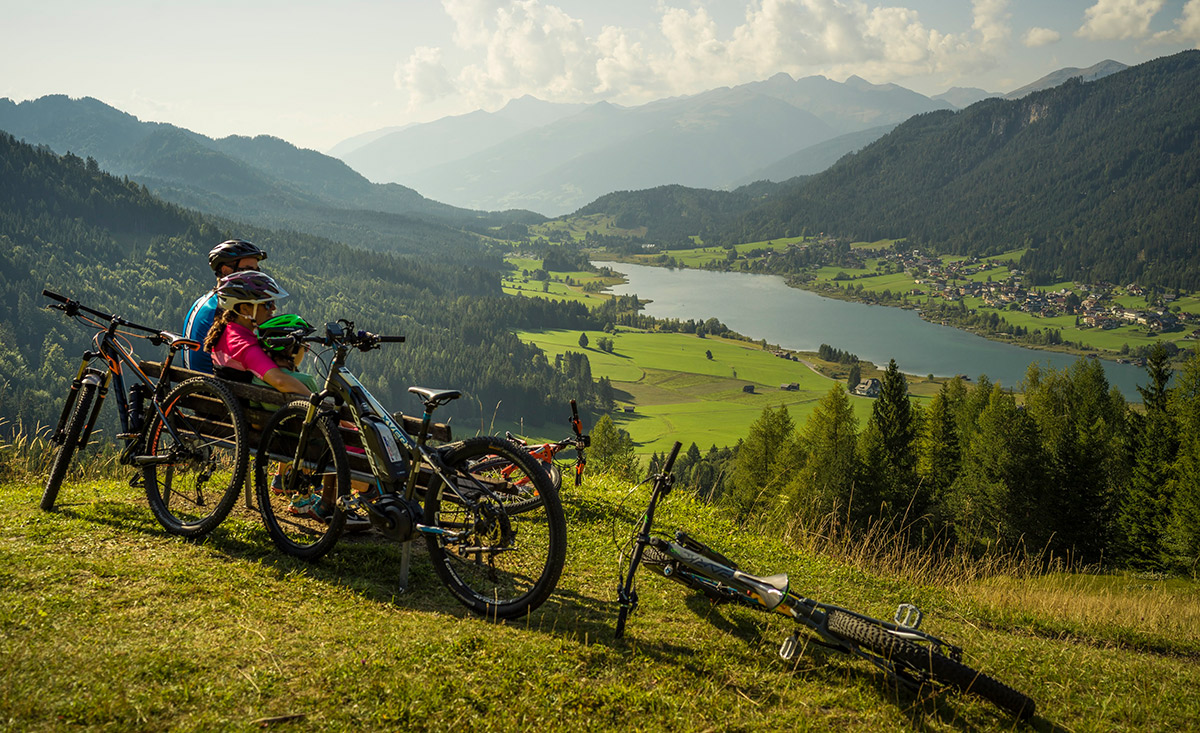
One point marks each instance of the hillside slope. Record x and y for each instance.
(229, 634)
(1099, 180)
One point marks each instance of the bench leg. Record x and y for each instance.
(250, 493)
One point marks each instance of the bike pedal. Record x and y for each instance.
(908, 616)
(790, 646)
(138, 481)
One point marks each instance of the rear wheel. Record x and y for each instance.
(299, 507)
(926, 662)
(70, 441)
(196, 455)
(497, 563)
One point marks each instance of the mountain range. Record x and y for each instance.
(1094, 181)
(774, 129)
(262, 180)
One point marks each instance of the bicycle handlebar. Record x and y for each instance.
(72, 307)
(671, 458)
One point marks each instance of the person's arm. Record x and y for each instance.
(284, 382)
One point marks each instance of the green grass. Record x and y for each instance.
(106, 623)
(677, 393)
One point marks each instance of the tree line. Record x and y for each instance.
(1065, 470)
(108, 242)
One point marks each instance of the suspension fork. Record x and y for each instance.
(73, 394)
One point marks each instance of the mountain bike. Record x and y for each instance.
(906, 654)
(527, 496)
(188, 443)
(497, 563)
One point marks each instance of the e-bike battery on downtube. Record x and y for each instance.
(380, 432)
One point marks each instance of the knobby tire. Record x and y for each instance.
(192, 494)
(62, 459)
(300, 536)
(925, 661)
(505, 564)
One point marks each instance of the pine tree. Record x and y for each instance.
(763, 461)
(612, 450)
(1183, 530)
(939, 455)
(888, 451)
(824, 486)
(1146, 504)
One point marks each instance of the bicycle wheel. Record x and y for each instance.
(299, 508)
(195, 457)
(62, 459)
(927, 662)
(497, 563)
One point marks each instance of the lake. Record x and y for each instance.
(764, 307)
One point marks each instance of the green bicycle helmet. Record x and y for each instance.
(284, 325)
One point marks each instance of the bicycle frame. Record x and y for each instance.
(117, 358)
(386, 443)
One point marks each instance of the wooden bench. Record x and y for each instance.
(259, 403)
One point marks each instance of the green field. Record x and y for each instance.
(676, 393)
(108, 624)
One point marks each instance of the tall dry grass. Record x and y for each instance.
(26, 454)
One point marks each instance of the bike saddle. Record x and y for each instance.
(435, 397)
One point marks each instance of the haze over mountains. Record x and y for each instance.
(547, 157)
(774, 129)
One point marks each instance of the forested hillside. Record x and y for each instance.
(261, 180)
(107, 242)
(1100, 180)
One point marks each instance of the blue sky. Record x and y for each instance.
(315, 73)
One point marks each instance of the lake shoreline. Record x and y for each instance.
(791, 282)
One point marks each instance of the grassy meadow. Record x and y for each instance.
(675, 392)
(107, 623)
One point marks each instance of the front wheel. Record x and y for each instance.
(299, 507)
(925, 662)
(70, 441)
(497, 563)
(196, 456)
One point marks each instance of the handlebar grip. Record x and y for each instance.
(574, 411)
(671, 458)
(391, 339)
(56, 296)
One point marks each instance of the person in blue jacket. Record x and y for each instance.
(228, 257)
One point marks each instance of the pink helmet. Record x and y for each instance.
(248, 286)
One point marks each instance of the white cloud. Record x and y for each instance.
(424, 76)
(1187, 27)
(1118, 19)
(518, 47)
(1035, 37)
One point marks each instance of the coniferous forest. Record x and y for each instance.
(67, 226)
(1066, 472)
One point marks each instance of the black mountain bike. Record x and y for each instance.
(907, 655)
(190, 449)
(497, 563)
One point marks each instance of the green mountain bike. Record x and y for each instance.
(906, 654)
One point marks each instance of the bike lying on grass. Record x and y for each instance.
(527, 496)
(907, 655)
(497, 563)
(191, 449)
